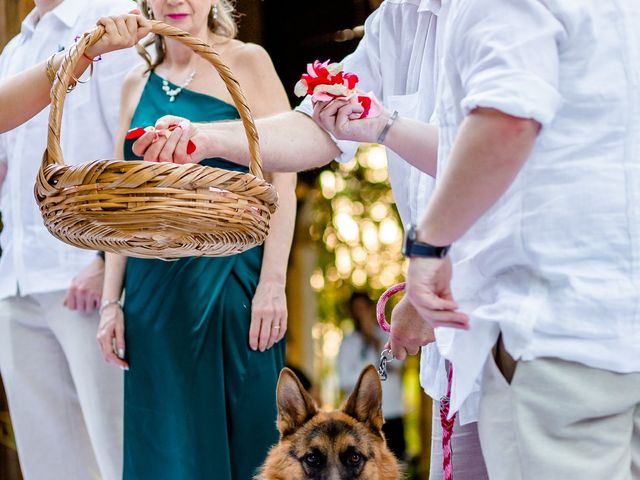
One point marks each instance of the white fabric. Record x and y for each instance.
(65, 400)
(32, 258)
(396, 60)
(355, 354)
(555, 264)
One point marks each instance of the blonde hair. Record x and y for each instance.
(225, 25)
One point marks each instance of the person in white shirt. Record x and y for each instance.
(362, 347)
(539, 196)
(396, 60)
(65, 402)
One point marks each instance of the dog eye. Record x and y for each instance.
(355, 458)
(311, 459)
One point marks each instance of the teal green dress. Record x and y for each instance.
(199, 403)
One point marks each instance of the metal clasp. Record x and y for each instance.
(385, 357)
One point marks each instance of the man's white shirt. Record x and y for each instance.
(31, 258)
(555, 264)
(397, 61)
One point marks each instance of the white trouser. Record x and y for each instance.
(65, 401)
(466, 457)
(559, 420)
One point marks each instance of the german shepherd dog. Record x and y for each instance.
(345, 444)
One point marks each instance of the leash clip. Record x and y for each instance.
(385, 357)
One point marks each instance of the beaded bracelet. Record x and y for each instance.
(108, 303)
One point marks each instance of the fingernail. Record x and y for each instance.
(135, 133)
(126, 369)
(191, 147)
(121, 352)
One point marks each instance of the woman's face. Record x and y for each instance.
(189, 15)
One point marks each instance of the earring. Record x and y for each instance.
(215, 12)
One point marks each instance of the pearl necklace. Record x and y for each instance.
(172, 93)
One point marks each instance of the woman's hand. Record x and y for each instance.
(341, 118)
(268, 315)
(121, 31)
(168, 141)
(111, 336)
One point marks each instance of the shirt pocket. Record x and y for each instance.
(406, 105)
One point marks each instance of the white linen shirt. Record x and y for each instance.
(555, 264)
(397, 61)
(32, 259)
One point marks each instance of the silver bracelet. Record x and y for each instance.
(107, 303)
(386, 128)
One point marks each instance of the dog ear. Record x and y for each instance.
(365, 402)
(295, 405)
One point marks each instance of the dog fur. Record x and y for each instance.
(345, 444)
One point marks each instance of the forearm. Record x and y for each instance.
(490, 151)
(278, 244)
(289, 142)
(416, 142)
(114, 270)
(25, 94)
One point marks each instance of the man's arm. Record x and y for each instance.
(491, 150)
(289, 142)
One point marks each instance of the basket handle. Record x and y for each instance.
(53, 154)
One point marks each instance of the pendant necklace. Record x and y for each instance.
(172, 93)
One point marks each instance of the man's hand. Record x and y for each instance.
(409, 331)
(85, 292)
(341, 118)
(162, 144)
(429, 290)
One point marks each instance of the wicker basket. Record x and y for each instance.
(153, 210)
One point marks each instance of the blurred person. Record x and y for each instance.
(362, 347)
(65, 403)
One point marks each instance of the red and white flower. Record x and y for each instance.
(325, 81)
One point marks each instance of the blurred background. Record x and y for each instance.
(348, 235)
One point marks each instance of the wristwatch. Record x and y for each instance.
(414, 248)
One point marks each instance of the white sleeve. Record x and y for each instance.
(507, 57)
(3, 165)
(364, 62)
(108, 78)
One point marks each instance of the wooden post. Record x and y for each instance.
(12, 12)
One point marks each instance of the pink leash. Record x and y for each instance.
(447, 424)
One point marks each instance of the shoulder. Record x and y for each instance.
(252, 65)
(133, 84)
(250, 56)
(135, 78)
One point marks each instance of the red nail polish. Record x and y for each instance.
(191, 147)
(135, 133)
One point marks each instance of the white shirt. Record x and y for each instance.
(397, 61)
(355, 354)
(31, 258)
(555, 264)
